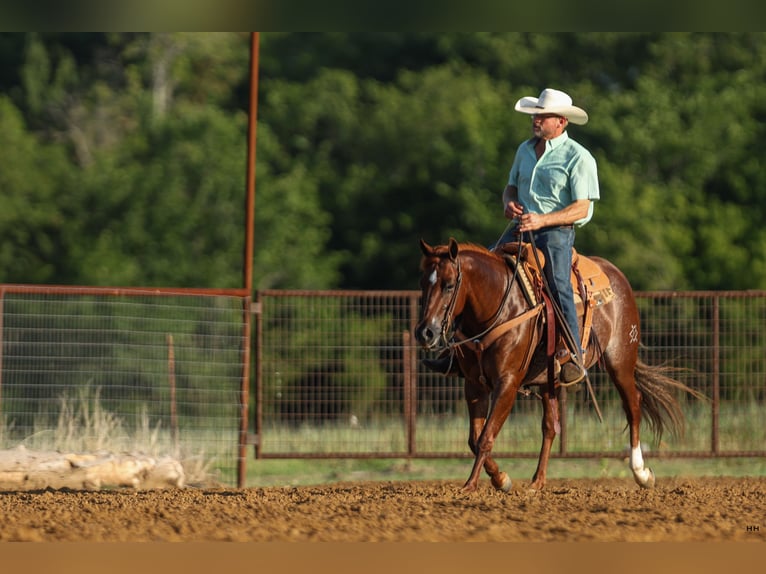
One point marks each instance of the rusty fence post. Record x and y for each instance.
(715, 438)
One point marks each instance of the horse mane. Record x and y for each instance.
(473, 247)
(468, 247)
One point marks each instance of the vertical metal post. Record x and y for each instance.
(257, 310)
(252, 127)
(715, 438)
(409, 412)
(248, 259)
(410, 380)
(244, 394)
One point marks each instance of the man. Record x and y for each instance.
(551, 188)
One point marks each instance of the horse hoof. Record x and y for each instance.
(646, 478)
(468, 487)
(535, 487)
(650, 481)
(503, 482)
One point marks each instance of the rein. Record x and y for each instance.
(496, 317)
(479, 343)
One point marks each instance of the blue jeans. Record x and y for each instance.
(556, 244)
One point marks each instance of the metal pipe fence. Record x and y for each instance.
(151, 371)
(338, 375)
(335, 374)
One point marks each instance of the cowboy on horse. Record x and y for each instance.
(551, 188)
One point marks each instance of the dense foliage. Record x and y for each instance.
(124, 154)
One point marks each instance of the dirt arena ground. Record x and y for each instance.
(690, 510)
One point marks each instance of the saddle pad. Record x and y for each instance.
(598, 289)
(595, 283)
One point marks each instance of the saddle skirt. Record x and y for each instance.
(590, 284)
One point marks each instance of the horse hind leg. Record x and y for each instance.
(631, 402)
(643, 475)
(550, 427)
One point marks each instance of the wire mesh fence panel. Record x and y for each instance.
(332, 372)
(136, 372)
(717, 342)
(339, 376)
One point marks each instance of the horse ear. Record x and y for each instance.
(453, 248)
(425, 248)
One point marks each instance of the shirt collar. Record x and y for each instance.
(554, 143)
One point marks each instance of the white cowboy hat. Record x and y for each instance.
(552, 102)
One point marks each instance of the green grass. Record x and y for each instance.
(740, 429)
(293, 472)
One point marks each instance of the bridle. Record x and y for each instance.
(496, 328)
(447, 321)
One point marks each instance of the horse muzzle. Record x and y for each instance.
(430, 335)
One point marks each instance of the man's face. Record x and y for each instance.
(547, 126)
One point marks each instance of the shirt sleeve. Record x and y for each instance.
(584, 179)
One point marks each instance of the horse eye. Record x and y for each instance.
(449, 287)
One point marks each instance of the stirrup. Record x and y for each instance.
(571, 373)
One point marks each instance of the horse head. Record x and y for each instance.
(441, 299)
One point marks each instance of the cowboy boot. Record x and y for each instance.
(571, 374)
(570, 370)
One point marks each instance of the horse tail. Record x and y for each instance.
(659, 402)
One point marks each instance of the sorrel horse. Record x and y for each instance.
(472, 297)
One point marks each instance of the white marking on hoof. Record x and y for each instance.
(643, 476)
(506, 482)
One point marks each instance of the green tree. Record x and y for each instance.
(167, 208)
(33, 177)
(366, 142)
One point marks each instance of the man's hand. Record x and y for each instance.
(526, 221)
(513, 209)
(531, 222)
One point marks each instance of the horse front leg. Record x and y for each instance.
(551, 426)
(485, 431)
(477, 399)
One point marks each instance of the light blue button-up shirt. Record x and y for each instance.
(564, 173)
